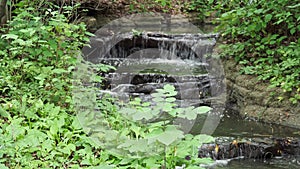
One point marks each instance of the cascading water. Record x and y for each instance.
(156, 59)
(149, 53)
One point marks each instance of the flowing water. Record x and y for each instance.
(145, 61)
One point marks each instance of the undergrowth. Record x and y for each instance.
(39, 124)
(38, 127)
(263, 36)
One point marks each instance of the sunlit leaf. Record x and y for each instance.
(169, 88)
(170, 99)
(203, 138)
(202, 109)
(170, 135)
(4, 113)
(10, 36)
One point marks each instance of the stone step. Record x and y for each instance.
(185, 90)
(139, 78)
(159, 63)
(125, 97)
(122, 45)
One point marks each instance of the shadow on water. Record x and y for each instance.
(250, 164)
(236, 128)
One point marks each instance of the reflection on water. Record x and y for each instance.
(273, 164)
(235, 127)
(238, 127)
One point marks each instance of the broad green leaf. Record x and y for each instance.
(111, 135)
(47, 53)
(2, 166)
(104, 166)
(160, 91)
(173, 112)
(132, 146)
(268, 17)
(167, 107)
(139, 146)
(171, 93)
(170, 135)
(146, 104)
(293, 30)
(170, 99)
(53, 44)
(202, 109)
(20, 42)
(127, 111)
(140, 115)
(152, 162)
(190, 115)
(203, 138)
(9, 36)
(169, 88)
(59, 71)
(136, 129)
(86, 161)
(203, 161)
(154, 132)
(4, 113)
(76, 124)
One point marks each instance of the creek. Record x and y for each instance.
(149, 52)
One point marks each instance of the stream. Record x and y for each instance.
(149, 54)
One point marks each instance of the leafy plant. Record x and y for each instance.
(164, 6)
(38, 128)
(203, 8)
(142, 135)
(264, 35)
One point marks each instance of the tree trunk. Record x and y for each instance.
(3, 12)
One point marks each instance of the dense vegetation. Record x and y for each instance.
(40, 49)
(264, 37)
(38, 52)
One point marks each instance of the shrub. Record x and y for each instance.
(264, 37)
(38, 128)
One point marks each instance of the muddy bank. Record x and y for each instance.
(254, 99)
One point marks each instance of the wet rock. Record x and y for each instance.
(147, 88)
(257, 149)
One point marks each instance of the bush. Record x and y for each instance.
(38, 52)
(40, 49)
(264, 37)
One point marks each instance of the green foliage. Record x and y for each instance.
(136, 32)
(38, 128)
(40, 50)
(202, 7)
(164, 6)
(38, 53)
(211, 8)
(139, 135)
(264, 37)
